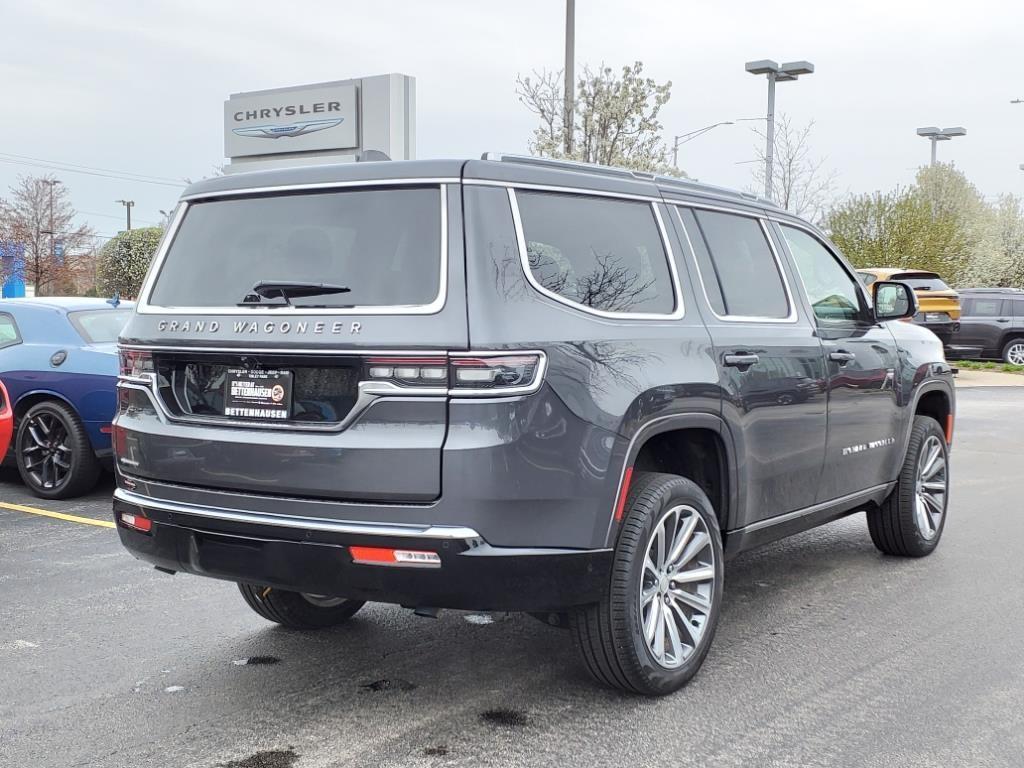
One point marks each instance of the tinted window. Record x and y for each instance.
(979, 307)
(100, 326)
(921, 281)
(831, 289)
(385, 245)
(709, 276)
(1018, 307)
(8, 331)
(743, 266)
(602, 253)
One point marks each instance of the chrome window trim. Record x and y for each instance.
(679, 310)
(835, 254)
(793, 315)
(143, 307)
(563, 189)
(425, 531)
(319, 185)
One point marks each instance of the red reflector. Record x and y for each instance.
(136, 522)
(949, 429)
(620, 506)
(106, 429)
(399, 557)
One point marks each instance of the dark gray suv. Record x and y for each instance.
(992, 324)
(516, 385)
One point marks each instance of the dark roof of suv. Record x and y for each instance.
(992, 290)
(512, 168)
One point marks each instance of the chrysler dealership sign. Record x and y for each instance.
(324, 122)
(302, 120)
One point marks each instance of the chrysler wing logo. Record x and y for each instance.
(300, 128)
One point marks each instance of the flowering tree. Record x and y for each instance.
(615, 118)
(124, 260)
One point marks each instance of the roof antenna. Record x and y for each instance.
(115, 300)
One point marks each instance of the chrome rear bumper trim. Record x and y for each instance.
(302, 523)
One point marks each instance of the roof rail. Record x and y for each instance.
(625, 173)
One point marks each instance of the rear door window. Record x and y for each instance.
(384, 245)
(978, 307)
(744, 280)
(602, 254)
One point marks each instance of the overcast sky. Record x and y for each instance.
(139, 86)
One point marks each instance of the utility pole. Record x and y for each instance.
(570, 76)
(53, 235)
(935, 135)
(128, 210)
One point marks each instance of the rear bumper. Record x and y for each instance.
(312, 556)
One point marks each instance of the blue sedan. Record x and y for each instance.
(58, 361)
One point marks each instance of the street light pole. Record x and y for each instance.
(53, 235)
(777, 73)
(570, 76)
(685, 137)
(935, 135)
(128, 210)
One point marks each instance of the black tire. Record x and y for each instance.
(66, 466)
(1015, 347)
(610, 634)
(895, 526)
(295, 611)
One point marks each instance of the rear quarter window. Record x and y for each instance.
(8, 331)
(602, 254)
(383, 244)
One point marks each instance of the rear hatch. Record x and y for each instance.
(295, 342)
(934, 297)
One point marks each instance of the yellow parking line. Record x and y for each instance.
(57, 515)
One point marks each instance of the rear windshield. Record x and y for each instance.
(100, 326)
(922, 282)
(382, 244)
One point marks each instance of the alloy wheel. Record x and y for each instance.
(1015, 354)
(45, 451)
(677, 586)
(932, 487)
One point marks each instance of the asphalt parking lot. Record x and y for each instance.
(828, 654)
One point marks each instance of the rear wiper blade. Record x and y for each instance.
(286, 289)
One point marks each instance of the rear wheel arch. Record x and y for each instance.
(29, 399)
(698, 447)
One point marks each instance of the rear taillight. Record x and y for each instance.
(462, 374)
(498, 373)
(409, 371)
(3, 399)
(136, 364)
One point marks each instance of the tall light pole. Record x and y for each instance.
(685, 137)
(128, 210)
(935, 135)
(51, 183)
(777, 73)
(570, 75)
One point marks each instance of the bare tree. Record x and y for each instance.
(801, 184)
(615, 120)
(39, 216)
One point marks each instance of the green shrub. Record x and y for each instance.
(124, 260)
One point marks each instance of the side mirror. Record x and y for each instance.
(893, 301)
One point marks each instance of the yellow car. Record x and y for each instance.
(939, 304)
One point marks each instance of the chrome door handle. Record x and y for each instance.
(741, 360)
(841, 356)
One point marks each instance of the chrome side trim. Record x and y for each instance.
(793, 315)
(426, 531)
(677, 313)
(143, 307)
(851, 498)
